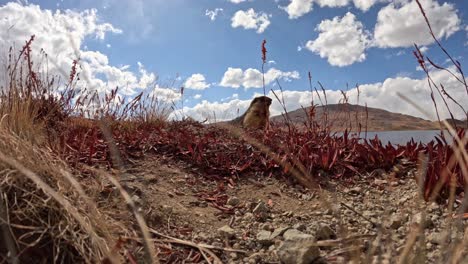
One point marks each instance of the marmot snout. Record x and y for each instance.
(257, 115)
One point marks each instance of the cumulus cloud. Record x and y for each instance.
(237, 1)
(365, 5)
(197, 82)
(380, 95)
(332, 3)
(212, 14)
(166, 94)
(251, 20)
(58, 33)
(466, 42)
(402, 24)
(252, 78)
(298, 8)
(341, 40)
(214, 111)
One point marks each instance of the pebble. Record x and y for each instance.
(227, 231)
(233, 201)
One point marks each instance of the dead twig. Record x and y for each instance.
(362, 216)
(336, 242)
(150, 254)
(202, 248)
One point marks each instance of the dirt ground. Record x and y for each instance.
(367, 220)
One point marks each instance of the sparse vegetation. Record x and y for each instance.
(58, 202)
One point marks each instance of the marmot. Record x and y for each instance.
(257, 115)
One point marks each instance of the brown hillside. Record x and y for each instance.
(342, 116)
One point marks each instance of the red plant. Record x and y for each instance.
(264, 51)
(214, 151)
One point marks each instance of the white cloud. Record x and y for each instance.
(251, 20)
(423, 49)
(466, 36)
(342, 41)
(379, 95)
(197, 96)
(401, 25)
(237, 1)
(298, 8)
(57, 33)
(365, 5)
(166, 94)
(197, 82)
(252, 78)
(214, 111)
(212, 14)
(332, 3)
(233, 77)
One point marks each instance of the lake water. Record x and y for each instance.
(401, 137)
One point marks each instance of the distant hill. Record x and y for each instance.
(456, 122)
(342, 116)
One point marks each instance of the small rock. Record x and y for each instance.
(402, 200)
(356, 190)
(233, 255)
(294, 234)
(288, 214)
(307, 196)
(136, 199)
(233, 201)
(417, 219)
(428, 245)
(252, 261)
(433, 207)
(202, 236)
(298, 252)
(324, 232)
(227, 231)
(279, 232)
(395, 222)
(166, 209)
(272, 248)
(264, 237)
(248, 217)
(261, 211)
(380, 182)
(300, 227)
(438, 238)
(368, 214)
(217, 244)
(267, 227)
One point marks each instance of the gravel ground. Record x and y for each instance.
(368, 221)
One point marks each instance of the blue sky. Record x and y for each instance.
(340, 41)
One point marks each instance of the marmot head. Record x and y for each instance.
(262, 100)
(257, 116)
